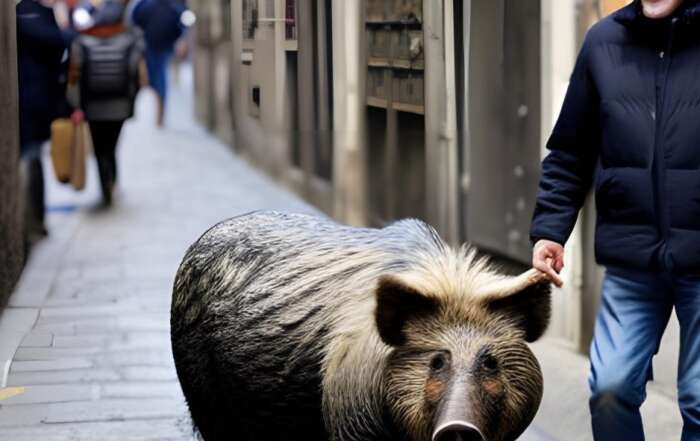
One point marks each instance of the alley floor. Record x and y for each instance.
(84, 344)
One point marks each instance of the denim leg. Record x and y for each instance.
(687, 294)
(157, 61)
(633, 314)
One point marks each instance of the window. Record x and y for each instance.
(290, 16)
(250, 19)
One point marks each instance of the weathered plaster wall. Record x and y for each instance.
(11, 234)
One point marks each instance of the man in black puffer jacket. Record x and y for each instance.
(630, 128)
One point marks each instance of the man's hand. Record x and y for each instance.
(548, 257)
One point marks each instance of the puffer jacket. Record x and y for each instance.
(630, 128)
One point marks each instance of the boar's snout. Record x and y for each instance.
(458, 431)
(455, 419)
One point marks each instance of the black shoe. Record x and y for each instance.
(107, 195)
(107, 185)
(35, 233)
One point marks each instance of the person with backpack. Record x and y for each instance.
(42, 53)
(105, 68)
(163, 25)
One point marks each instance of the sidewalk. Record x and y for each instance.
(87, 329)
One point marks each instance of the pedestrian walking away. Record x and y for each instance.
(42, 49)
(628, 129)
(163, 25)
(105, 67)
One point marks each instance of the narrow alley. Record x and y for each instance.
(367, 112)
(84, 342)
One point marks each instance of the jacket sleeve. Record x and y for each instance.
(568, 168)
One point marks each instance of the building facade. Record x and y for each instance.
(375, 110)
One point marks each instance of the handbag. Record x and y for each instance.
(82, 146)
(62, 139)
(70, 144)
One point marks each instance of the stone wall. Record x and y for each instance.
(11, 233)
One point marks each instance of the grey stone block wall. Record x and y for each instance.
(11, 224)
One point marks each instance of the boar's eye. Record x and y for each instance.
(490, 362)
(438, 362)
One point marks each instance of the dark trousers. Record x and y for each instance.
(34, 185)
(105, 136)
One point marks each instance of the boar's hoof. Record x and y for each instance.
(458, 431)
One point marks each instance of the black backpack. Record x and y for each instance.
(110, 66)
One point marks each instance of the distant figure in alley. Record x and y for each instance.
(42, 49)
(163, 23)
(105, 64)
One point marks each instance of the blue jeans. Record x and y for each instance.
(157, 61)
(633, 315)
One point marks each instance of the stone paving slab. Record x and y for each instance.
(53, 393)
(148, 373)
(138, 430)
(140, 389)
(57, 328)
(31, 354)
(116, 342)
(51, 365)
(115, 410)
(37, 340)
(29, 416)
(74, 375)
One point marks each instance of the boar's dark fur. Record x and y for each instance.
(294, 327)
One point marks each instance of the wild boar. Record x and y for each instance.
(293, 327)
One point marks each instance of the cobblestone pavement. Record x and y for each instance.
(87, 330)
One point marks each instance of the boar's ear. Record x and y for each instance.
(398, 303)
(526, 299)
